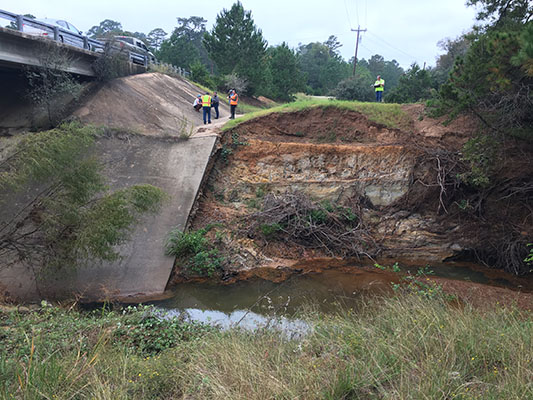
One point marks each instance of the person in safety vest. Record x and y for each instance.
(379, 86)
(233, 101)
(206, 107)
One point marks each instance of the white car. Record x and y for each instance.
(74, 40)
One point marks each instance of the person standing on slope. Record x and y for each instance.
(233, 101)
(215, 103)
(206, 107)
(379, 86)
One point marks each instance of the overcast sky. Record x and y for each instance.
(406, 31)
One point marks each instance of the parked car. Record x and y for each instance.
(135, 46)
(73, 40)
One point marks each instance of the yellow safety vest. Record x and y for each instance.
(381, 82)
(206, 100)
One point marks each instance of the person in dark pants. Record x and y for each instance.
(206, 107)
(233, 101)
(197, 103)
(379, 86)
(214, 103)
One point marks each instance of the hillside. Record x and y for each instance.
(290, 184)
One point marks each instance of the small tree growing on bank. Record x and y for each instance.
(49, 83)
(62, 213)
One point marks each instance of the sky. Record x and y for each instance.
(406, 31)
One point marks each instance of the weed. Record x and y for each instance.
(253, 203)
(148, 332)
(261, 190)
(270, 230)
(195, 249)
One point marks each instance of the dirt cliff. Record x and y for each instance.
(396, 183)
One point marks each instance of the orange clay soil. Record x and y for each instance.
(329, 133)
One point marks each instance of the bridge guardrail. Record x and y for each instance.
(69, 37)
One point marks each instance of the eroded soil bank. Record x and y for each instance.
(388, 184)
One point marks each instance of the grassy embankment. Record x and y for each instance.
(389, 115)
(406, 347)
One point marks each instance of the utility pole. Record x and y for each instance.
(356, 46)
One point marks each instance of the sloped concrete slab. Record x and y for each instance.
(178, 168)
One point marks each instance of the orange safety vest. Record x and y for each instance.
(233, 100)
(206, 100)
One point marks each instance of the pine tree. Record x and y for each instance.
(286, 76)
(236, 45)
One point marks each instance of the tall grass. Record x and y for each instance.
(389, 115)
(407, 347)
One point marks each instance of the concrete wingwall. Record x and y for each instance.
(175, 166)
(149, 147)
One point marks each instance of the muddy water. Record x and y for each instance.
(325, 285)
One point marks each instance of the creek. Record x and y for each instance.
(324, 285)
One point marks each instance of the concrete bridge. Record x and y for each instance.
(19, 49)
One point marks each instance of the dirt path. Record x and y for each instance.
(213, 129)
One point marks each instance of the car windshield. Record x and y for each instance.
(125, 39)
(73, 28)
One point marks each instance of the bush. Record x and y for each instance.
(355, 88)
(193, 248)
(72, 218)
(200, 74)
(480, 154)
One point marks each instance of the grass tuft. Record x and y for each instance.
(404, 347)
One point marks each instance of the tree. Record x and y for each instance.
(49, 81)
(357, 87)
(185, 47)
(200, 74)
(13, 24)
(106, 28)
(414, 86)
(286, 78)
(323, 71)
(72, 217)
(454, 50)
(156, 37)
(501, 12)
(388, 70)
(236, 45)
(333, 45)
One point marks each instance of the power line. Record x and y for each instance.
(347, 14)
(357, 12)
(392, 46)
(366, 9)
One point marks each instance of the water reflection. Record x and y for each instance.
(325, 285)
(244, 319)
(260, 303)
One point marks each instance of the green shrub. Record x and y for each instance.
(181, 244)
(194, 248)
(270, 230)
(79, 218)
(146, 332)
(480, 153)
